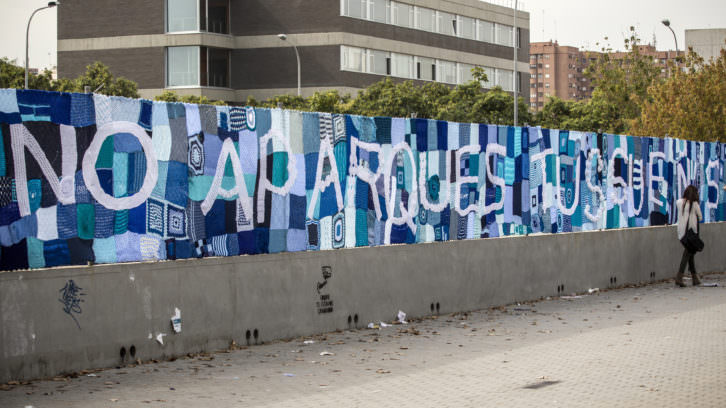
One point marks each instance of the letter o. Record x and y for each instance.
(90, 177)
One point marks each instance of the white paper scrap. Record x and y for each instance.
(160, 338)
(402, 317)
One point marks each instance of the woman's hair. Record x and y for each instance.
(690, 194)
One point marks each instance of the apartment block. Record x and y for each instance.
(231, 49)
(557, 70)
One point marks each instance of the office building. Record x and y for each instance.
(230, 49)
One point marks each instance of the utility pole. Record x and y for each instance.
(514, 79)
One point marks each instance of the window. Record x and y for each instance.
(351, 58)
(466, 27)
(465, 74)
(485, 32)
(182, 65)
(354, 8)
(402, 65)
(547, 75)
(547, 65)
(446, 72)
(533, 104)
(218, 16)
(533, 96)
(217, 67)
(402, 14)
(181, 15)
(197, 15)
(547, 85)
(378, 11)
(539, 76)
(197, 66)
(547, 56)
(532, 85)
(379, 62)
(504, 34)
(505, 79)
(446, 23)
(426, 68)
(425, 19)
(490, 73)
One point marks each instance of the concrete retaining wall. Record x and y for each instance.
(277, 296)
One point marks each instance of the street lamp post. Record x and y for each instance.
(667, 23)
(283, 37)
(51, 4)
(516, 100)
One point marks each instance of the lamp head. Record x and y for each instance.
(53, 3)
(666, 22)
(283, 37)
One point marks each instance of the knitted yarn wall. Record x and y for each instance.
(89, 178)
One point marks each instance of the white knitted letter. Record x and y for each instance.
(90, 177)
(277, 138)
(244, 202)
(21, 138)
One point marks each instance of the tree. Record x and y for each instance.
(388, 98)
(688, 105)
(99, 79)
(621, 84)
(13, 76)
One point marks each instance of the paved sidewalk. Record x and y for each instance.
(635, 347)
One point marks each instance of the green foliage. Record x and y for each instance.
(464, 103)
(13, 76)
(620, 85)
(688, 105)
(171, 96)
(97, 77)
(100, 80)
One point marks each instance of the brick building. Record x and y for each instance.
(557, 70)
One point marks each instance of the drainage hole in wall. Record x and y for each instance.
(438, 307)
(432, 307)
(256, 334)
(615, 279)
(132, 351)
(563, 287)
(248, 335)
(355, 318)
(123, 352)
(350, 319)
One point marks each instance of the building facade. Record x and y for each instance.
(557, 71)
(230, 49)
(707, 43)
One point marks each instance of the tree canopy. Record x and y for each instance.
(688, 105)
(98, 78)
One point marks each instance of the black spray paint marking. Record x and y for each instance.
(70, 296)
(325, 304)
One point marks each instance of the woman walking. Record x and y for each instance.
(689, 214)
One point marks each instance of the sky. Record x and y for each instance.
(578, 23)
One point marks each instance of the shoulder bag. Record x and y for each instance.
(691, 241)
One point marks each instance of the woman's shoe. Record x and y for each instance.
(680, 284)
(695, 279)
